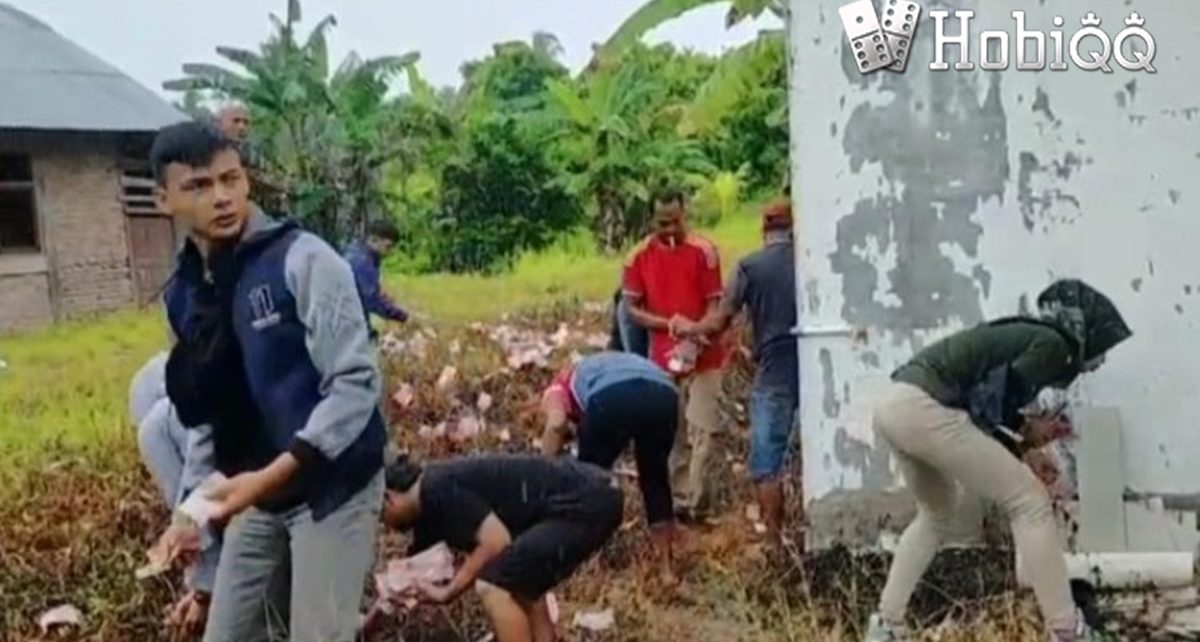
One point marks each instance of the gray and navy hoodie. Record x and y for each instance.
(283, 364)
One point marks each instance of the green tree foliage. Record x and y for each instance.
(616, 142)
(740, 109)
(324, 130)
(521, 152)
(499, 196)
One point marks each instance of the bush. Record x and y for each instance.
(500, 197)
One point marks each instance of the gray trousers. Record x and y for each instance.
(163, 443)
(329, 562)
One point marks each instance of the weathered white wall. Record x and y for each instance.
(932, 200)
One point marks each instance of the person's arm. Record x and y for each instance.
(995, 403)
(367, 278)
(492, 538)
(338, 343)
(721, 315)
(1045, 362)
(339, 346)
(557, 427)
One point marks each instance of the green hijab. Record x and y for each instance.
(1084, 313)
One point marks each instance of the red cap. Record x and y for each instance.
(777, 216)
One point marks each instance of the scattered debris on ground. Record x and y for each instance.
(75, 531)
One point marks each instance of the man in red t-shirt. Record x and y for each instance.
(672, 280)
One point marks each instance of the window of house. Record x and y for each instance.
(18, 212)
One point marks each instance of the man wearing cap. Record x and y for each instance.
(764, 284)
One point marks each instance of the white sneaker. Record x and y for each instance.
(880, 630)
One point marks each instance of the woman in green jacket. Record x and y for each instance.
(953, 415)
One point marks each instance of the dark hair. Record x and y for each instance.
(384, 229)
(188, 143)
(400, 475)
(668, 195)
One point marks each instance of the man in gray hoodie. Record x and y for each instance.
(273, 360)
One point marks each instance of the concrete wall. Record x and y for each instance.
(85, 252)
(936, 199)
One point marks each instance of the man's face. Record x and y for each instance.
(235, 123)
(213, 202)
(380, 245)
(670, 222)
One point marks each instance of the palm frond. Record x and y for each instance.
(646, 19)
(736, 75)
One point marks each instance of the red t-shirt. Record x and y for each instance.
(562, 384)
(676, 280)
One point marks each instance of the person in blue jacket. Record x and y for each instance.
(272, 359)
(365, 257)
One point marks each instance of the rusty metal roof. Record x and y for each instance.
(48, 82)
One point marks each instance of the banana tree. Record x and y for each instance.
(748, 66)
(323, 130)
(615, 144)
(656, 13)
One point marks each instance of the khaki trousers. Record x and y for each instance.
(939, 449)
(695, 440)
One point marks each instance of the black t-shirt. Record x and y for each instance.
(522, 490)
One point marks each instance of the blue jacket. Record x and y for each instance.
(365, 263)
(297, 372)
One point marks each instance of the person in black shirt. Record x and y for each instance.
(525, 522)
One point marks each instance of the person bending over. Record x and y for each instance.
(614, 399)
(953, 416)
(163, 444)
(524, 522)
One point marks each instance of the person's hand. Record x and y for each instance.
(178, 546)
(1043, 466)
(235, 495)
(683, 327)
(430, 592)
(187, 617)
(1042, 430)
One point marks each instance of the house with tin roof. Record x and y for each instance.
(79, 232)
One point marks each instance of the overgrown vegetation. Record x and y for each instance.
(522, 152)
(78, 513)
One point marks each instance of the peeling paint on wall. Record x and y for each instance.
(919, 209)
(829, 401)
(814, 297)
(875, 464)
(1041, 103)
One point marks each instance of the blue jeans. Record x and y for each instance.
(329, 561)
(772, 419)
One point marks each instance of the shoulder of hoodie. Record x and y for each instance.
(312, 254)
(712, 258)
